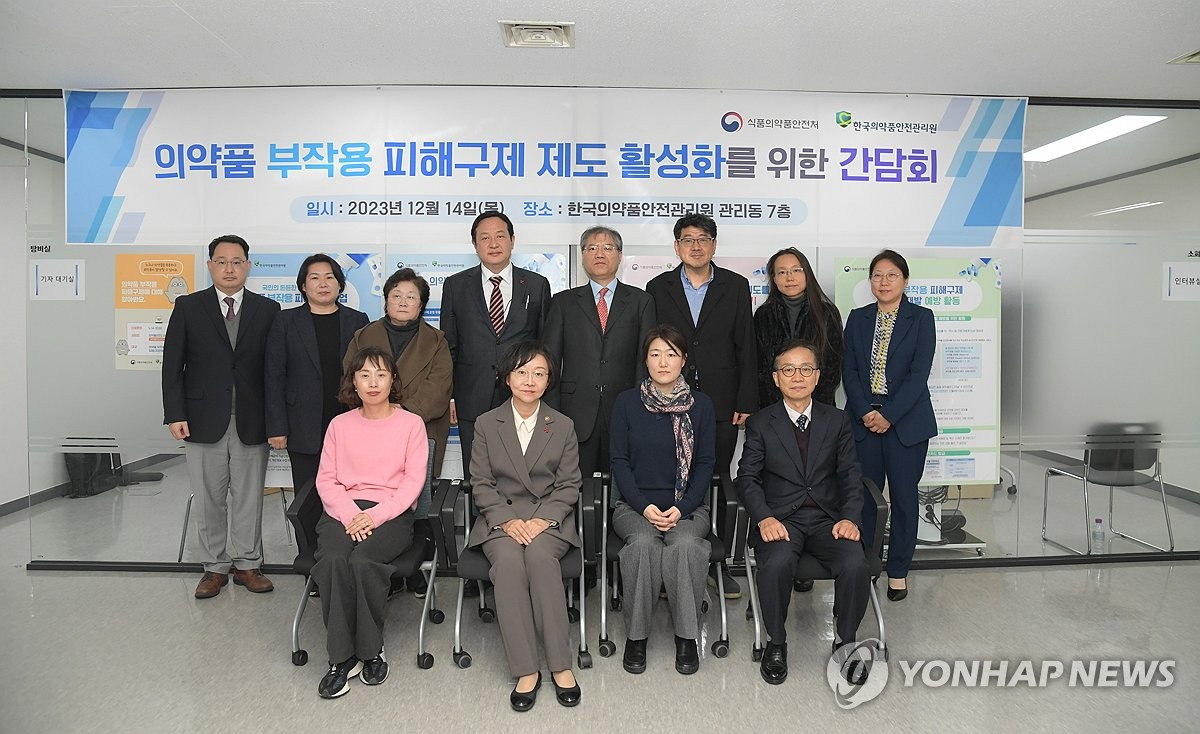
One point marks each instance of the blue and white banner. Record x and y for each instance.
(401, 166)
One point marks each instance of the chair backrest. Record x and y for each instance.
(1122, 447)
(426, 498)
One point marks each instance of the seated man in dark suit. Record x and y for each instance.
(800, 481)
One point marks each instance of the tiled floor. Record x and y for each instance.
(116, 652)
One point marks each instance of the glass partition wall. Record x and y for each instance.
(1091, 345)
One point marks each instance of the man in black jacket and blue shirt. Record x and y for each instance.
(800, 481)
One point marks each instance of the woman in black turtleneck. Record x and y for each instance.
(797, 308)
(421, 352)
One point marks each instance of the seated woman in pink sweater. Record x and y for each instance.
(372, 472)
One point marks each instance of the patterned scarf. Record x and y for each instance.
(678, 403)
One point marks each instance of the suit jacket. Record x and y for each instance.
(722, 358)
(543, 482)
(594, 366)
(474, 347)
(426, 378)
(771, 330)
(294, 380)
(772, 477)
(907, 406)
(200, 367)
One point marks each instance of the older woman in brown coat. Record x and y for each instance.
(421, 352)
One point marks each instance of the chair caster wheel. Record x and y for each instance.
(720, 648)
(615, 604)
(607, 648)
(585, 660)
(1012, 490)
(462, 659)
(437, 616)
(300, 657)
(487, 614)
(756, 654)
(704, 607)
(425, 661)
(572, 615)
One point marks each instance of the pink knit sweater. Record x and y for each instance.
(382, 461)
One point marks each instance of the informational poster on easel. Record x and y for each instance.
(964, 383)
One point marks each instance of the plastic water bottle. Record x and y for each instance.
(1098, 536)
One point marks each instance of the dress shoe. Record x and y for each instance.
(210, 584)
(774, 667)
(803, 585)
(374, 671)
(337, 681)
(687, 659)
(897, 594)
(856, 672)
(567, 696)
(524, 701)
(634, 659)
(253, 580)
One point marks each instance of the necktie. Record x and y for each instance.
(496, 305)
(602, 309)
(229, 315)
(802, 423)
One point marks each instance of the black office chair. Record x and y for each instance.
(421, 556)
(808, 567)
(611, 545)
(470, 564)
(1115, 455)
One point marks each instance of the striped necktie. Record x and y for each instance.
(602, 309)
(496, 305)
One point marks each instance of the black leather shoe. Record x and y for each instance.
(774, 667)
(687, 659)
(567, 696)
(634, 659)
(897, 594)
(524, 701)
(803, 585)
(856, 672)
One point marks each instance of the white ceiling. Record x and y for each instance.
(1069, 48)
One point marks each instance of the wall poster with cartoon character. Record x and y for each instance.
(146, 288)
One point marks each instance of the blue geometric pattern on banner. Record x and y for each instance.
(110, 133)
(988, 173)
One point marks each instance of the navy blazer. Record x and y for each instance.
(294, 380)
(772, 477)
(907, 406)
(722, 356)
(474, 347)
(200, 367)
(595, 366)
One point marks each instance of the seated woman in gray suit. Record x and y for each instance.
(372, 472)
(663, 452)
(525, 481)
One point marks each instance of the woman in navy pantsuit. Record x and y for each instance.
(889, 353)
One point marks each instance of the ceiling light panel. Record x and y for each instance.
(1103, 132)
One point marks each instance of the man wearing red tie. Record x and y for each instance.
(595, 333)
(485, 310)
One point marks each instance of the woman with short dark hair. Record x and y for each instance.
(525, 481)
(663, 453)
(372, 471)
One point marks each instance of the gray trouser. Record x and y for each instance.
(530, 603)
(354, 579)
(227, 478)
(676, 560)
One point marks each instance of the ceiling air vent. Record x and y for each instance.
(1192, 58)
(527, 34)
